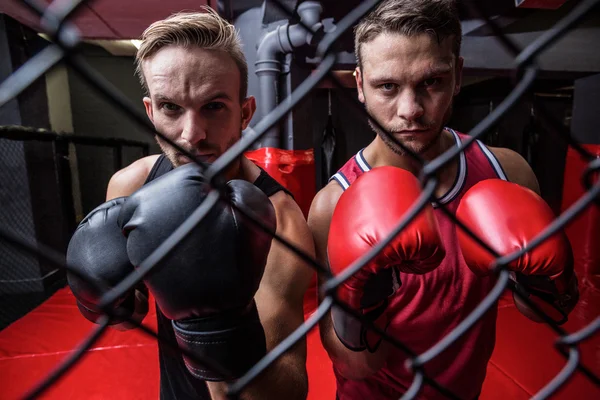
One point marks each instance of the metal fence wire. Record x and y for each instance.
(65, 41)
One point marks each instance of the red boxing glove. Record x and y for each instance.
(507, 217)
(366, 213)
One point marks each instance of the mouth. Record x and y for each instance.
(412, 132)
(209, 157)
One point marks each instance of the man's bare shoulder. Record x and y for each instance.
(126, 181)
(285, 203)
(290, 218)
(324, 203)
(516, 168)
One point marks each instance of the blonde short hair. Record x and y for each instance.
(410, 17)
(206, 30)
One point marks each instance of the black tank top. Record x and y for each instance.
(176, 383)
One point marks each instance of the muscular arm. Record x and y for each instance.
(516, 168)
(129, 179)
(280, 305)
(352, 365)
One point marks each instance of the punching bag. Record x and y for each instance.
(328, 143)
(529, 139)
(293, 169)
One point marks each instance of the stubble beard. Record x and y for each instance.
(416, 145)
(172, 154)
(168, 151)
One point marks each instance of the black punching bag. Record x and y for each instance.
(529, 139)
(328, 144)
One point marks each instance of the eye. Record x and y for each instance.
(431, 82)
(169, 106)
(388, 87)
(214, 106)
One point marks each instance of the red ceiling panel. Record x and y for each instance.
(108, 19)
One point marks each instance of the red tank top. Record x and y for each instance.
(429, 306)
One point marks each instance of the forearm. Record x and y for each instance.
(282, 380)
(351, 364)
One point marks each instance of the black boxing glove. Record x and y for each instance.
(206, 285)
(98, 250)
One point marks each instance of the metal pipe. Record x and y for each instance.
(276, 43)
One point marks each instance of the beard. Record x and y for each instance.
(417, 144)
(178, 159)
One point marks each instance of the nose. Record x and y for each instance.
(194, 128)
(409, 105)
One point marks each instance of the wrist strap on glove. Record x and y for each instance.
(373, 304)
(555, 298)
(235, 342)
(355, 335)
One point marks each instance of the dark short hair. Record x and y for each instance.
(410, 17)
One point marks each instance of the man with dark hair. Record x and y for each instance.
(431, 276)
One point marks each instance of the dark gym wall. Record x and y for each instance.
(522, 128)
(31, 200)
(94, 116)
(586, 118)
(30, 195)
(16, 213)
(352, 132)
(550, 148)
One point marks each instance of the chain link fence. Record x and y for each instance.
(25, 282)
(65, 38)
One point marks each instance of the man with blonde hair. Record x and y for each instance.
(228, 292)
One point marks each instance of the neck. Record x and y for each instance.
(242, 168)
(233, 171)
(378, 154)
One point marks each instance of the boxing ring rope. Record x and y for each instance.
(54, 20)
(61, 139)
